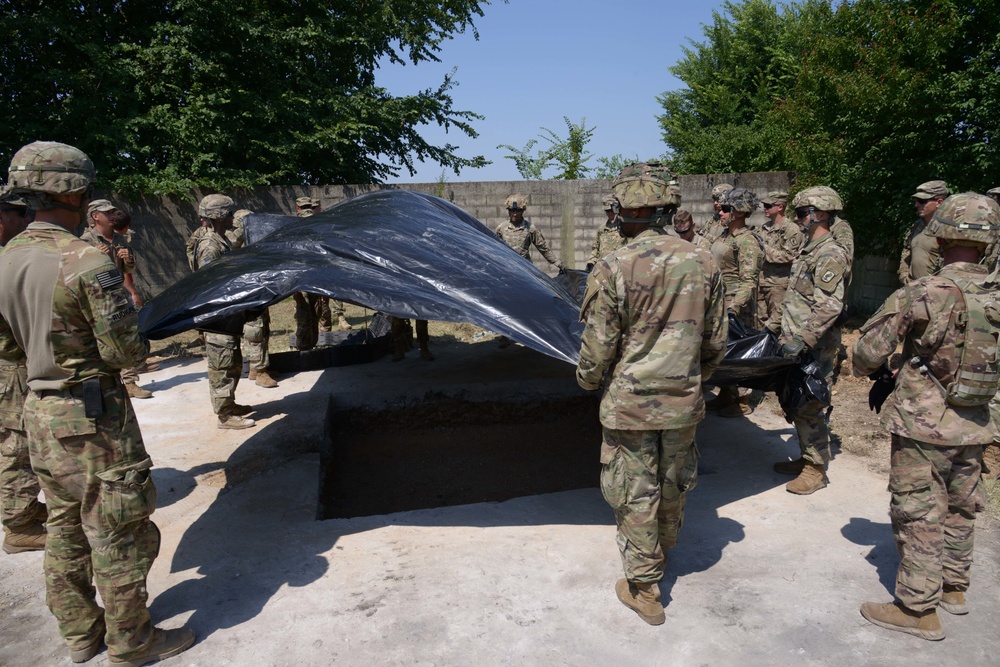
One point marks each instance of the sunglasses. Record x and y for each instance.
(726, 209)
(772, 205)
(802, 213)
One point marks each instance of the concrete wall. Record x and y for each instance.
(568, 213)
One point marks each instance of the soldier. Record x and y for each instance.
(713, 228)
(78, 326)
(937, 414)
(313, 312)
(656, 325)
(812, 305)
(921, 255)
(22, 515)
(993, 252)
(782, 240)
(608, 238)
(994, 193)
(684, 228)
(256, 332)
(739, 255)
(520, 234)
(402, 338)
(225, 363)
(101, 214)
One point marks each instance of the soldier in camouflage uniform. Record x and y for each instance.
(314, 312)
(812, 305)
(713, 228)
(77, 324)
(655, 329)
(225, 363)
(993, 252)
(608, 238)
(101, 234)
(782, 241)
(22, 515)
(921, 255)
(938, 414)
(684, 228)
(256, 332)
(520, 234)
(739, 255)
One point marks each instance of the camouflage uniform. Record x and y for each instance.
(812, 303)
(655, 328)
(225, 362)
(936, 447)
(521, 237)
(94, 470)
(608, 240)
(921, 254)
(844, 236)
(782, 243)
(192, 243)
(256, 332)
(318, 311)
(739, 256)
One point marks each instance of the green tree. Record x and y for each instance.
(872, 97)
(567, 154)
(530, 167)
(216, 93)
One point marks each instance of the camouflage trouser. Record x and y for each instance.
(130, 375)
(330, 309)
(402, 334)
(935, 494)
(225, 365)
(644, 477)
(95, 474)
(256, 334)
(18, 484)
(811, 423)
(307, 312)
(769, 298)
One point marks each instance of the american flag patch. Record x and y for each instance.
(110, 279)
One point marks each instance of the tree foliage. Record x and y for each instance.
(871, 97)
(567, 154)
(217, 93)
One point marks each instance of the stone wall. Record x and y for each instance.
(568, 213)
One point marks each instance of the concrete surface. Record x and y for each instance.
(760, 577)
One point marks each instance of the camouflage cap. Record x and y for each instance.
(741, 199)
(10, 201)
(820, 197)
(721, 189)
(102, 205)
(516, 202)
(930, 190)
(994, 192)
(216, 207)
(968, 217)
(608, 202)
(774, 197)
(304, 202)
(683, 220)
(51, 168)
(647, 184)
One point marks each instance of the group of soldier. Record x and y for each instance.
(657, 309)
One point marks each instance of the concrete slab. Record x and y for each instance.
(760, 577)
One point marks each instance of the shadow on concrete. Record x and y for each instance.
(173, 485)
(883, 554)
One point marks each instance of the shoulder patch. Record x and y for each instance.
(110, 279)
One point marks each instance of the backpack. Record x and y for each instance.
(978, 369)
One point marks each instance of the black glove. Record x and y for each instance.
(590, 267)
(793, 348)
(885, 382)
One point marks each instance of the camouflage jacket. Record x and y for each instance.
(740, 257)
(67, 308)
(815, 294)
(924, 316)
(844, 236)
(608, 240)
(13, 380)
(192, 243)
(782, 243)
(210, 247)
(921, 254)
(656, 328)
(237, 235)
(710, 228)
(522, 237)
(118, 241)
(700, 241)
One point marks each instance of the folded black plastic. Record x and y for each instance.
(404, 253)
(753, 359)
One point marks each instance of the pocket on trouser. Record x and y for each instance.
(9, 443)
(127, 495)
(614, 485)
(910, 486)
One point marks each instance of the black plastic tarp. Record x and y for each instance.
(404, 253)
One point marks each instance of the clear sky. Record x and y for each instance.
(539, 60)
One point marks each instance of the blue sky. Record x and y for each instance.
(539, 60)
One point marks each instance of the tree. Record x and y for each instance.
(567, 154)
(529, 167)
(871, 97)
(165, 96)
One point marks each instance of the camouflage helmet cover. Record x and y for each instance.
(9, 200)
(820, 197)
(968, 217)
(994, 192)
(741, 199)
(516, 202)
(647, 184)
(608, 202)
(721, 189)
(216, 207)
(304, 202)
(51, 168)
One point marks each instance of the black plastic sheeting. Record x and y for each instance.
(404, 253)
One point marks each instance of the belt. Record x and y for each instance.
(76, 390)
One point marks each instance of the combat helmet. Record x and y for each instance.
(995, 193)
(967, 218)
(820, 197)
(647, 185)
(516, 202)
(608, 202)
(741, 199)
(10, 201)
(46, 168)
(216, 207)
(720, 190)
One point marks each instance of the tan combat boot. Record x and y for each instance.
(29, 537)
(264, 379)
(84, 651)
(135, 391)
(252, 374)
(793, 468)
(165, 644)
(343, 323)
(240, 410)
(643, 599)
(894, 616)
(953, 601)
(236, 422)
(810, 480)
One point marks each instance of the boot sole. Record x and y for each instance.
(929, 635)
(20, 550)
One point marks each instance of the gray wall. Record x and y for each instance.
(568, 213)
